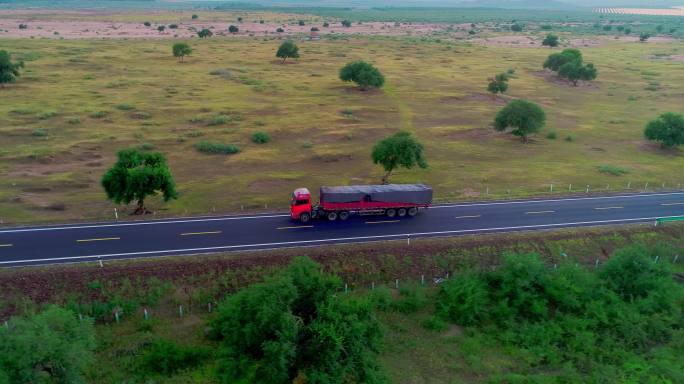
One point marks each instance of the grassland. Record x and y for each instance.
(78, 102)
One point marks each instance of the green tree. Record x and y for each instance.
(576, 71)
(398, 150)
(296, 328)
(137, 175)
(516, 27)
(233, 29)
(643, 37)
(667, 129)
(195, 17)
(288, 49)
(50, 347)
(180, 50)
(363, 74)
(9, 71)
(346, 23)
(301, 23)
(205, 33)
(550, 40)
(524, 117)
(161, 28)
(498, 84)
(556, 60)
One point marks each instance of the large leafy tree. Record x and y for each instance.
(667, 129)
(180, 50)
(576, 71)
(550, 40)
(362, 73)
(137, 175)
(50, 347)
(288, 49)
(556, 60)
(522, 116)
(295, 327)
(9, 71)
(398, 150)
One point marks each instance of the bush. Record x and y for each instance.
(612, 170)
(147, 146)
(125, 107)
(435, 323)
(362, 73)
(166, 358)
(463, 299)
(233, 29)
(411, 299)
(50, 347)
(220, 120)
(280, 30)
(346, 23)
(261, 137)
(552, 136)
(381, 298)
(99, 114)
(147, 24)
(217, 148)
(295, 325)
(74, 121)
(39, 132)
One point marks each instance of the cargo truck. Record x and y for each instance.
(338, 203)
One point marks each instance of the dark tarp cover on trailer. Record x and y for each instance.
(391, 193)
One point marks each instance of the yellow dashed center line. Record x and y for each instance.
(5, 245)
(102, 239)
(539, 212)
(200, 233)
(671, 204)
(606, 208)
(382, 222)
(468, 217)
(296, 227)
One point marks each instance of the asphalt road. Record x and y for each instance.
(121, 240)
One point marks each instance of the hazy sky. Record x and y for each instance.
(413, 3)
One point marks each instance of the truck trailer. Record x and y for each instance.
(392, 200)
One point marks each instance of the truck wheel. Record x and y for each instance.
(332, 216)
(412, 211)
(304, 217)
(401, 212)
(391, 212)
(344, 215)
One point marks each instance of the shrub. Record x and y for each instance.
(326, 25)
(346, 23)
(46, 115)
(147, 24)
(39, 132)
(280, 30)
(147, 146)
(516, 27)
(220, 120)
(411, 299)
(381, 298)
(99, 114)
(261, 137)
(74, 121)
(173, 26)
(552, 136)
(612, 170)
(569, 138)
(233, 29)
(195, 17)
(362, 73)
(301, 23)
(50, 347)
(435, 323)
(463, 299)
(125, 107)
(205, 33)
(166, 358)
(217, 148)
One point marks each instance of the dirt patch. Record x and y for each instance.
(475, 134)
(657, 148)
(454, 330)
(476, 98)
(267, 185)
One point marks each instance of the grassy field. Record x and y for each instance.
(78, 102)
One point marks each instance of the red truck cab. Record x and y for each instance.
(300, 206)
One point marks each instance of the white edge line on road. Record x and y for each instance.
(533, 201)
(228, 218)
(303, 242)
